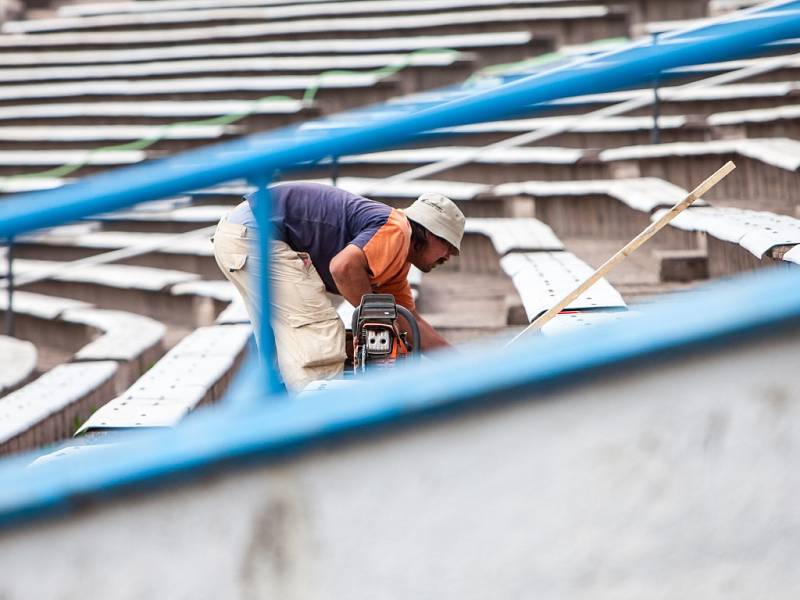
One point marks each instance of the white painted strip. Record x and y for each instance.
(18, 360)
(515, 234)
(367, 10)
(50, 393)
(783, 153)
(110, 133)
(126, 335)
(557, 16)
(271, 65)
(525, 155)
(565, 323)
(173, 110)
(756, 231)
(196, 85)
(350, 47)
(544, 278)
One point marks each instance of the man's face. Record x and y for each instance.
(436, 252)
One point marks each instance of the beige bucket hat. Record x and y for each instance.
(439, 215)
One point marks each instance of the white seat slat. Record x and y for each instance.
(17, 362)
(298, 27)
(113, 8)
(45, 158)
(193, 85)
(762, 115)
(69, 451)
(177, 383)
(599, 125)
(544, 278)
(188, 109)
(89, 133)
(41, 306)
(756, 231)
(793, 255)
(643, 194)
(235, 313)
(119, 276)
(783, 153)
(524, 155)
(112, 240)
(254, 65)
(16, 186)
(564, 323)
(371, 186)
(57, 389)
(350, 47)
(515, 234)
(221, 290)
(126, 336)
(181, 214)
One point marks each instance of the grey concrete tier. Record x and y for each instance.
(50, 408)
(566, 24)
(196, 371)
(18, 360)
(765, 177)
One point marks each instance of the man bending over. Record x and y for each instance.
(328, 239)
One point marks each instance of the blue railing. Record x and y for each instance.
(232, 430)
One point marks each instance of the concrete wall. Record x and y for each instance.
(674, 479)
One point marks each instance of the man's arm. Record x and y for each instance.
(350, 273)
(430, 338)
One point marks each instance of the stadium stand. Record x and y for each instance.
(143, 340)
(581, 183)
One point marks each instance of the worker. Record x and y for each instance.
(327, 239)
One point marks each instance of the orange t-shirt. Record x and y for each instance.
(386, 256)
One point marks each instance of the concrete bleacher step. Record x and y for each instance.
(165, 295)
(480, 166)
(595, 133)
(765, 178)
(20, 162)
(741, 240)
(51, 407)
(507, 235)
(194, 372)
(612, 208)
(678, 10)
(179, 219)
(575, 24)
(17, 363)
(250, 115)
(568, 322)
(488, 48)
(544, 278)
(782, 121)
(195, 255)
(335, 92)
(398, 194)
(231, 15)
(165, 139)
(88, 333)
(698, 101)
(414, 72)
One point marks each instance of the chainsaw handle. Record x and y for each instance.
(402, 310)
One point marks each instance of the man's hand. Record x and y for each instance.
(350, 273)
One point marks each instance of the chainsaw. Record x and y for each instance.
(377, 339)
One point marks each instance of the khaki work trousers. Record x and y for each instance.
(309, 336)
